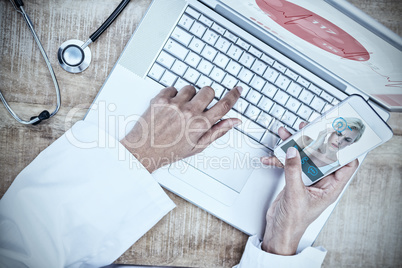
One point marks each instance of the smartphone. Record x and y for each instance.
(339, 136)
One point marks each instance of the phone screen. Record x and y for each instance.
(333, 141)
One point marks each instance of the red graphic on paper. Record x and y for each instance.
(314, 29)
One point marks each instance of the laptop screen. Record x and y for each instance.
(333, 40)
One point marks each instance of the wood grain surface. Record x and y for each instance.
(364, 230)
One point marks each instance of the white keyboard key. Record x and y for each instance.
(181, 36)
(280, 67)
(257, 83)
(274, 127)
(222, 44)
(165, 59)
(317, 104)
(221, 60)
(242, 44)
(230, 36)
(217, 74)
(306, 96)
(209, 53)
(283, 82)
(191, 75)
(314, 116)
(303, 82)
(252, 129)
(255, 52)
(196, 45)
(198, 29)
(294, 89)
(269, 140)
(206, 21)
(229, 81)
(264, 119)
(252, 112)
(204, 81)
(219, 29)
(235, 52)
(289, 118)
(193, 13)
(335, 102)
(277, 111)
(245, 75)
(210, 37)
(179, 67)
(293, 104)
(180, 83)
(247, 60)
(315, 89)
(327, 107)
(186, 22)
(156, 72)
(205, 67)
(326, 96)
(304, 112)
(233, 68)
(267, 59)
(218, 90)
(259, 67)
(245, 87)
(269, 90)
(296, 125)
(281, 97)
(168, 79)
(253, 97)
(241, 105)
(265, 104)
(291, 74)
(271, 74)
(193, 59)
(176, 49)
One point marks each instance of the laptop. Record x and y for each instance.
(294, 60)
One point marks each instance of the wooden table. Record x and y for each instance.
(364, 230)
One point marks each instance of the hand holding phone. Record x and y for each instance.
(345, 132)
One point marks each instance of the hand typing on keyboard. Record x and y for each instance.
(297, 206)
(177, 125)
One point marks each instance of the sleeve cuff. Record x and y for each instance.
(254, 256)
(84, 198)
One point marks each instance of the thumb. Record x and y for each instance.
(293, 170)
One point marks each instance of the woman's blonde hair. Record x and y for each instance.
(356, 123)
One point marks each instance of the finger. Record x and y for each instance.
(284, 133)
(338, 180)
(271, 161)
(168, 92)
(217, 131)
(186, 93)
(223, 106)
(203, 98)
(302, 125)
(293, 170)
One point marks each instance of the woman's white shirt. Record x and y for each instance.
(83, 202)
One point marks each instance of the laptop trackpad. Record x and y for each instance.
(219, 173)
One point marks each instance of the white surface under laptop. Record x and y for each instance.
(126, 95)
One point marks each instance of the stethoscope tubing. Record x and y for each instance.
(49, 66)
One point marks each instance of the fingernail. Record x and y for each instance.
(237, 123)
(240, 89)
(291, 152)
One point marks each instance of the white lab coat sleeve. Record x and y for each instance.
(81, 203)
(255, 257)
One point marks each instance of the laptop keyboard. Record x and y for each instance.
(203, 53)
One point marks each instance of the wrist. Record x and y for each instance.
(146, 162)
(282, 242)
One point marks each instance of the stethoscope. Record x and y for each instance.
(74, 56)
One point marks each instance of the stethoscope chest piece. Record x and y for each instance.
(72, 57)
